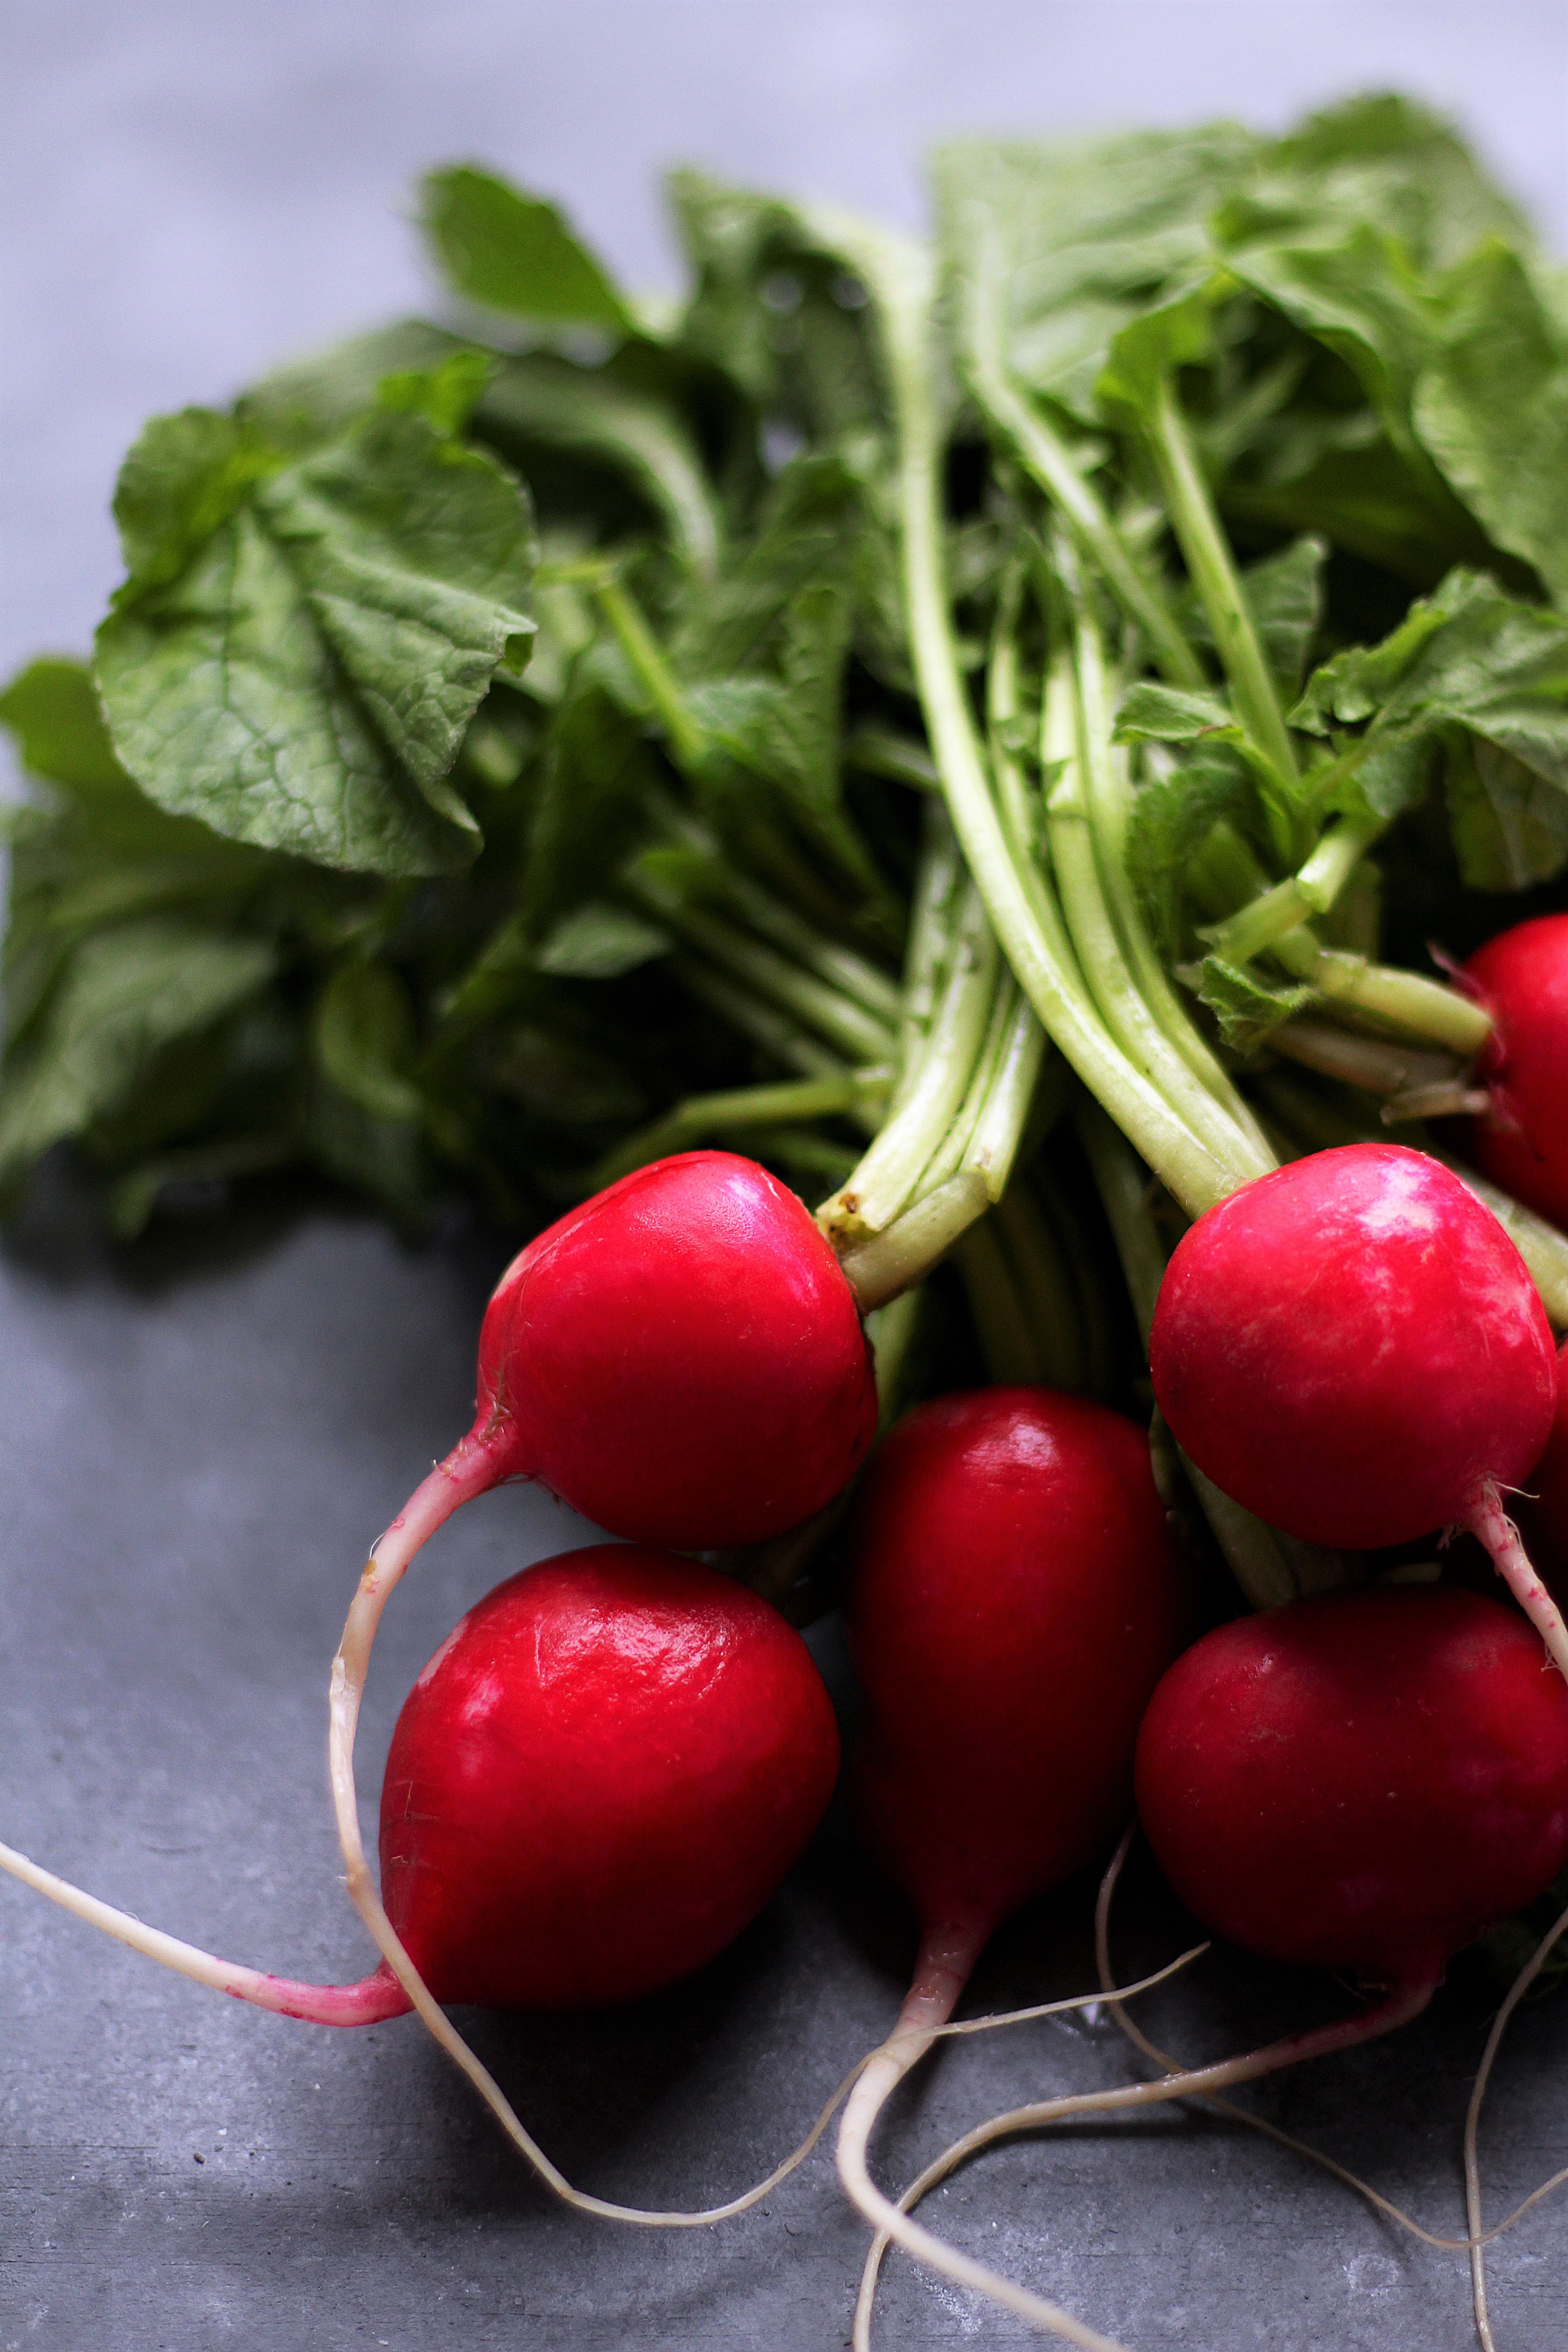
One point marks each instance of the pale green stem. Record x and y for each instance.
(859, 1093)
(1209, 559)
(882, 1183)
(906, 1252)
(899, 275)
(1311, 891)
(1100, 956)
(891, 1331)
(1048, 461)
(740, 1008)
(687, 738)
(938, 885)
(902, 759)
(1104, 784)
(1002, 1324)
(842, 1024)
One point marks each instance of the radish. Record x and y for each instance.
(680, 1358)
(1363, 1781)
(1360, 1782)
(1014, 1596)
(1521, 1143)
(1352, 1348)
(600, 1777)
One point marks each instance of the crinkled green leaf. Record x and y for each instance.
(1509, 826)
(514, 252)
(1492, 409)
(128, 994)
(1386, 157)
(1247, 1009)
(363, 1037)
(540, 398)
(592, 810)
(306, 681)
(444, 397)
(313, 399)
(1285, 597)
(1151, 713)
(1172, 817)
(1144, 354)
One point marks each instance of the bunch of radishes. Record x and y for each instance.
(609, 1765)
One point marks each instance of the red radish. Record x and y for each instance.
(1015, 1596)
(1363, 1781)
(1353, 1349)
(680, 1358)
(600, 1777)
(1521, 978)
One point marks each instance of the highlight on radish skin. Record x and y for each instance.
(600, 1777)
(1363, 1781)
(1013, 1598)
(1521, 1143)
(1353, 1349)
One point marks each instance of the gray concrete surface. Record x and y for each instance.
(200, 1435)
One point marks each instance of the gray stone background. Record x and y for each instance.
(200, 1435)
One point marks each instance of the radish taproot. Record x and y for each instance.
(1522, 1142)
(598, 1779)
(1014, 1596)
(1547, 1511)
(1363, 1781)
(682, 1359)
(1353, 1349)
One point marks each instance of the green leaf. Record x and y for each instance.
(1510, 827)
(1285, 597)
(1146, 353)
(305, 682)
(1151, 713)
(444, 397)
(313, 399)
(592, 810)
(126, 995)
(363, 1037)
(1072, 239)
(541, 399)
(1492, 409)
(1172, 816)
(515, 253)
(51, 707)
(599, 940)
(1386, 158)
(1247, 1009)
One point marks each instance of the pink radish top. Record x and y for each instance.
(680, 1358)
(1352, 1347)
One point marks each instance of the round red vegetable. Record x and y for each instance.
(1353, 1349)
(680, 1358)
(1521, 978)
(1015, 1596)
(1363, 1781)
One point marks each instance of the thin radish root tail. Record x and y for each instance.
(1490, 1523)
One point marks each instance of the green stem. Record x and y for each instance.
(902, 759)
(842, 1024)
(688, 741)
(1207, 555)
(1272, 920)
(1050, 463)
(742, 1009)
(1046, 1288)
(1104, 778)
(881, 1185)
(1100, 956)
(899, 275)
(738, 1110)
(1003, 1325)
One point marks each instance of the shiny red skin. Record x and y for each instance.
(600, 1777)
(1351, 1346)
(1363, 1781)
(1015, 1596)
(680, 1358)
(1521, 977)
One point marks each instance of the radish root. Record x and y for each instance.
(1490, 1523)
